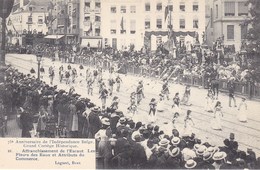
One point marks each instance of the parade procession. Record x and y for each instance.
(162, 98)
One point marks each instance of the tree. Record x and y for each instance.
(253, 36)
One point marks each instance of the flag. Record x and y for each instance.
(166, 12)
(122, 24)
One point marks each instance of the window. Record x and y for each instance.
(147, 7)
(195, 7)
(182, 23)
(87, 4)
(40, 20)
(230, 32)
(242, 9)
(229, 8)
(216, 11)
(244, 31)
(113, 9)
(87, 19)
(123, 9)
(113, 27)
(132, 9)
(170, 7)
(29, 19)
(182, 7)
(97, 18)
(97, 31)
(159, 23)
(132, 27)
(195, 23)
(97, 5)
(147, 24)
(159, 6)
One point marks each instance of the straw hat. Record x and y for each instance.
(175, 152)
(219, 156)
(164, 141)
(207, 155)
(175, 140)
(190, 164)
(105, 121)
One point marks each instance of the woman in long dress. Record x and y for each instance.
(216, 122)
(242, 108)
(188, 124)
(209, 102)
(104, 148)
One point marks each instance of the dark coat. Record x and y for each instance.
(94, 124)
(139, 158)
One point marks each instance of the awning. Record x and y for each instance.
(92, 42)
(54, 36)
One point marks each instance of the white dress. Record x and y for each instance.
(188, 129)
(216, 122)
(242, 113)
(160, 106)
(209, 104)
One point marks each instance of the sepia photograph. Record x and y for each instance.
(156, 84)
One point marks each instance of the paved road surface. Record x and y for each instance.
(247, 134)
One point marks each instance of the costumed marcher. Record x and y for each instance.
(186, 96)
(216, 122)
(242, 111)
(165, 89)
(188, 124)
(152, 110)
(118, 83)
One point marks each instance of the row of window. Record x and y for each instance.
(93, 33)
(182, 24)
(159, 7)
(40, 19)
(97, 4)
(231, 32)
(230, 9)
(97, 19)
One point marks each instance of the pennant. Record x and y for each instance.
(166, 12)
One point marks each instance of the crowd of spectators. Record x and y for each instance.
(46, 111)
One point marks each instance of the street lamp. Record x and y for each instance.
(39, 59)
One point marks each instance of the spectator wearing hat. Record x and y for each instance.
(174, 160)
(103, 145)
(139, 157)
(26, 123)
(219, 159)
(121, 141)
(94, 122)
(190, 164)
(207, 161)
(163, 155)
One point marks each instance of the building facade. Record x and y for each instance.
(141, 22)
(27, 17)
(90, 23)
(228, 18)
